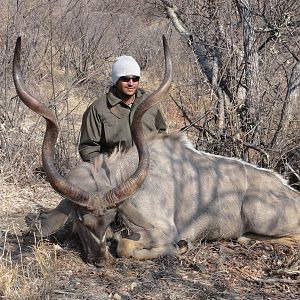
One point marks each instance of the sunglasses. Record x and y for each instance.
(128, 78)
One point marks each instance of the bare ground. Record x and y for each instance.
(54, 269)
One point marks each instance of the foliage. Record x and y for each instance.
(233, 74)
(248, 53)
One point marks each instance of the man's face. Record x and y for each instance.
(127, 85)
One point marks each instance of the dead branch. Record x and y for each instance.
(292, 96)
(268, 280)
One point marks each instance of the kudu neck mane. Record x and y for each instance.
(120, 164)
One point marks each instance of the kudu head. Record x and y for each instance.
(93, 212)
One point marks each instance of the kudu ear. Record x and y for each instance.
(55, 220)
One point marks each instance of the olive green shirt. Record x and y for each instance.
(106, 124)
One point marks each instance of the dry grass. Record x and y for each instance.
(27, 270)
(32, 277)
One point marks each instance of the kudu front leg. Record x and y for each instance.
(147, 249)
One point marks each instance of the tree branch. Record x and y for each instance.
(292, 96)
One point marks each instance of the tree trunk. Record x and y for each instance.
(251, 64)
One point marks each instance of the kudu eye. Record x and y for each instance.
(79, 216)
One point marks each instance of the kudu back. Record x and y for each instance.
(162, 190)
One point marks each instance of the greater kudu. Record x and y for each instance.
(163, 190)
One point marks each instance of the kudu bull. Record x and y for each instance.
(163, 190)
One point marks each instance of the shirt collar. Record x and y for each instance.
(113, 99)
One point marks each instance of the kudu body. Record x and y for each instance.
(163, 191)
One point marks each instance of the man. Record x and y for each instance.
(106, 122)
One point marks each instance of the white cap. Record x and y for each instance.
(124, 66)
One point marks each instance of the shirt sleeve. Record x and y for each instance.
(90, 134)
(160, 123)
